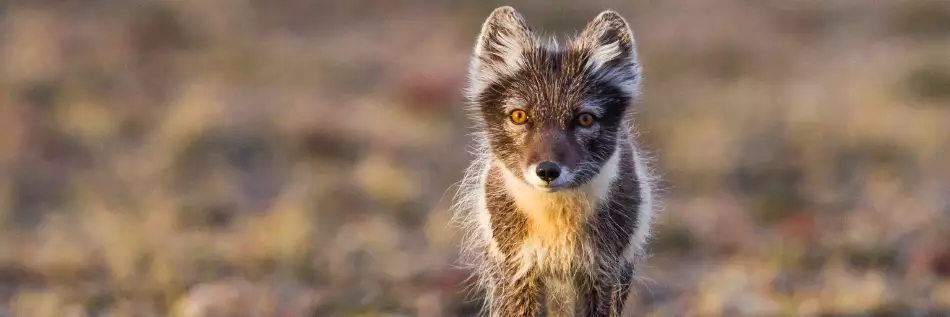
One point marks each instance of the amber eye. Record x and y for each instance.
(585, 119)
(518, 116)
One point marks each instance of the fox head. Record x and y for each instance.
(552, 116)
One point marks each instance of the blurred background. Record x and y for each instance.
(297, 158)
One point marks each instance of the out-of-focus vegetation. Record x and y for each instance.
(296, 158)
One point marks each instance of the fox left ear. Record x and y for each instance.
(612, 49)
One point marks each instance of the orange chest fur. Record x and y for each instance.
(555, 238)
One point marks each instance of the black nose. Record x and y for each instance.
(548, 171)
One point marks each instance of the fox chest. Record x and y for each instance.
(552, 245)
(554, 238)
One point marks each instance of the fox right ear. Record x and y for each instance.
(499, 50)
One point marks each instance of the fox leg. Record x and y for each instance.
(516, 296)
(622, 289)
(594, 296)
(604, 294)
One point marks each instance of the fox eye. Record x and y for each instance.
(518, 116)
(585, 119)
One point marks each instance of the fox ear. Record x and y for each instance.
(609, 40)
(499, 50)
(612, 50)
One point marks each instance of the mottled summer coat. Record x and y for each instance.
(558, 204)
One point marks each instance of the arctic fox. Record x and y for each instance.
(558, 204)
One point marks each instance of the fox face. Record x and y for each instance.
(552, 115)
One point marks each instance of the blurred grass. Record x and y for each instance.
(296, 158)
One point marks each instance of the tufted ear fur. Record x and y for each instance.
(612, 50)
(500, 48)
